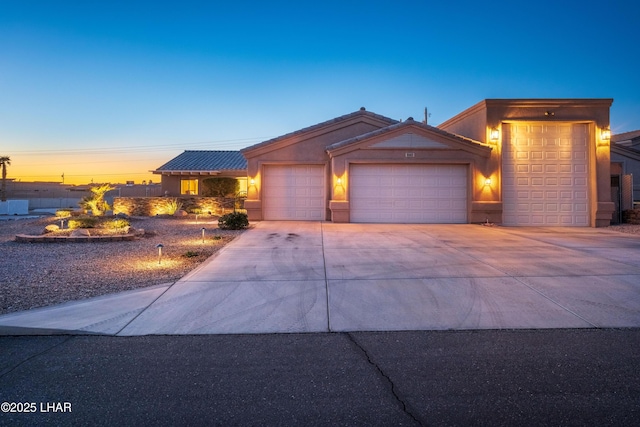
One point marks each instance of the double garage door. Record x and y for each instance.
(545, 174)
(388, 193)
(378, 193)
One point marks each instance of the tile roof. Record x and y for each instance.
(625, 136)
(408, 122)
(202, 160)
(361, 112)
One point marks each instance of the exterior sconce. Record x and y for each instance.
(487, 182)
(339, 181)
(252, 182)
(494, 135)
(605, 134)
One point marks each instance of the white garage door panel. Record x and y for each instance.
(293, 192)
(408, 193)
(545, 178)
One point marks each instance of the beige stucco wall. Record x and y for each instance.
(300, 148)
(478, 164)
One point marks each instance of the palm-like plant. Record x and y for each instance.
(96, 203)
(4, 162)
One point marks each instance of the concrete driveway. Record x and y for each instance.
(313, 277)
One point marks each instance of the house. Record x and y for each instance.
(625, 171)
(183, 174)
(627, 139)
(520, 162)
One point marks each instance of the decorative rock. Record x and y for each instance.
(51, 228)
(79, 232)
(181, 213)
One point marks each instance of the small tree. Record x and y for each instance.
(95, 202)
(4, 162)
(220, 187)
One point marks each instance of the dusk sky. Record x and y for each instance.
(108, 90)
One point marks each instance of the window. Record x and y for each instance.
(189, 186)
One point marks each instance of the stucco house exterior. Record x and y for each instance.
(518, 162)
(183, 175)
(625, 172)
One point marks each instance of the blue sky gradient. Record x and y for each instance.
(89, 87)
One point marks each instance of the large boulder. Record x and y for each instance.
(80, 232)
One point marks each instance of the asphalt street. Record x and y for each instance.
(483, 377)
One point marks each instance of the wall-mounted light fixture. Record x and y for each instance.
(494, 135)
(339, 181)
(487, 182)
(252, 182)
(605, 134)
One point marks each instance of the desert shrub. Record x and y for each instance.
(116, 224)
(220, 187)
(51, 228)
(171, 206)
(95, 202)
(63, 213)
(233, 221)
(83, 222)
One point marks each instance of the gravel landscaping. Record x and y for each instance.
(42, 274)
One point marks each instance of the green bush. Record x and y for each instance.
(115, 224)
(220, 187)
(83, 222)
(63, 213)
(233, 221)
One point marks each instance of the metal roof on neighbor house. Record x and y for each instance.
(204, 161)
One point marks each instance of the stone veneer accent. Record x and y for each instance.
(23, 238)
(152, 206)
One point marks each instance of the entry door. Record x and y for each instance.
(386, 193)
(545, 174)
(294, 192)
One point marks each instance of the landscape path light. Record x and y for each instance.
(203, 234)
(159, 246)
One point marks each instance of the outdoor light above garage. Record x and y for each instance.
(495, 135)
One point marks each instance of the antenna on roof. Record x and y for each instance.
(426, 115)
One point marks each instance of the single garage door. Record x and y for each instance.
(545, 174)
(293, 192)
(408, 193)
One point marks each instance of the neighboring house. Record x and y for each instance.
(516, 162)
(625, 171)
(183, 174)
(627, 139)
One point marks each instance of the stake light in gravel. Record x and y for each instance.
(203, 229)
(159, 246)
